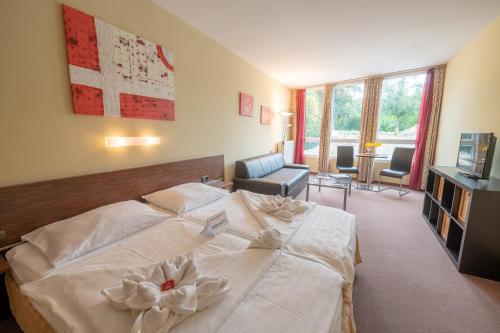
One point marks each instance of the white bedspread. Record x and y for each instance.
(285, 209)
(29, 263)
(171, 292)
(325, 235)
(71, 301)
(303, 288)
(243, 222)
(295, 296)
(328, 237)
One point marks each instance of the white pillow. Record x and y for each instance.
(68, 239)
(185, 197)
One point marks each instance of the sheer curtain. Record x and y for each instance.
(326, 128)
(369, 120)
(300, 124)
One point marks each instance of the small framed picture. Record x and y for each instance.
(246, 105)
(265, 115)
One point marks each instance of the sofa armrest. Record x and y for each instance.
(259, 185)
(297, 166)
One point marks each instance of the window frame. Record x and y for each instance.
(344, 140)
(397, 141)
(311, 139)
(357, 140)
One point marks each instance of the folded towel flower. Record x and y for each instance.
(283, 208)
(270, 238)
(173, 291)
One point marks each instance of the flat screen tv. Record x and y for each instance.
(475, 154)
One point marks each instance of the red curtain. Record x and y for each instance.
(423, 125)
(301, 125)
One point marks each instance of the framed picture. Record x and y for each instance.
(118, 74)
(246, 105)
(265, 115)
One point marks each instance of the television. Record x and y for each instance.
(475, 154)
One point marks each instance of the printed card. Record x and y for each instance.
(216, 224)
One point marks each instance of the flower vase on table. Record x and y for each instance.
(371, 147)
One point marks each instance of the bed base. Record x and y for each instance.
(27, 317)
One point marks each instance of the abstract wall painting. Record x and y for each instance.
(246, 105)
(265, 115)
(115, 73)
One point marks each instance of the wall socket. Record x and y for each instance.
(204, 179)
(3, 235)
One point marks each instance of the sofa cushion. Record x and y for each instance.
(291, 177)
(259, 166)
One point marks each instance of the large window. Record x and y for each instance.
(346, 117)
(398, 117)
(399, 108)
(314, 114)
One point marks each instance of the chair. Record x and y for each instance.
(400, 167)
(345, 160)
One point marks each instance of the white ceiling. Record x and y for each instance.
(308, 42)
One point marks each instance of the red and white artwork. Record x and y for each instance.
(265, 115)
(115, 73)
(246, 105)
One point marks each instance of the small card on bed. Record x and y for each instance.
(216, 224)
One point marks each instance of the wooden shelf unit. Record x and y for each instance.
(464, 215)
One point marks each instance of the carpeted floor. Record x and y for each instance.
(406, 282)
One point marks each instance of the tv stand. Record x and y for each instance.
(463, 214)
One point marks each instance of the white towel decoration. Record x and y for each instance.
(172, 292)
(269, 238)
(285, 209)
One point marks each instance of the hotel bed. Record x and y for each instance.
(304, 286)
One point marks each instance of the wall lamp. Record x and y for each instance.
(124, 141)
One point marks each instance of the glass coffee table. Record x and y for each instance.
(331, 180)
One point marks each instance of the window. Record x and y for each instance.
(398, 118)
(346, 117)
(399, 108)
(314, 114)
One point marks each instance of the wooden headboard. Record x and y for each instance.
(25, 207)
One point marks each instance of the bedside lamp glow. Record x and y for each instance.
(124, 141)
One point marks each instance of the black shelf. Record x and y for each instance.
(434, 214)
(454, 242)
(473, 245)
(427, 204)
(447, 199)
(457, 222)
(442, 241)
(430, 182)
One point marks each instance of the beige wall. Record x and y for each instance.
(40, 138)
(471, 101)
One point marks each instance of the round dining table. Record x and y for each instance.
(369, 179)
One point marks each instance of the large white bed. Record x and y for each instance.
(304, 286)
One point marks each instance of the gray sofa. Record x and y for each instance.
(268, 174)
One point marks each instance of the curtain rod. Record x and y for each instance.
(367, 77)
